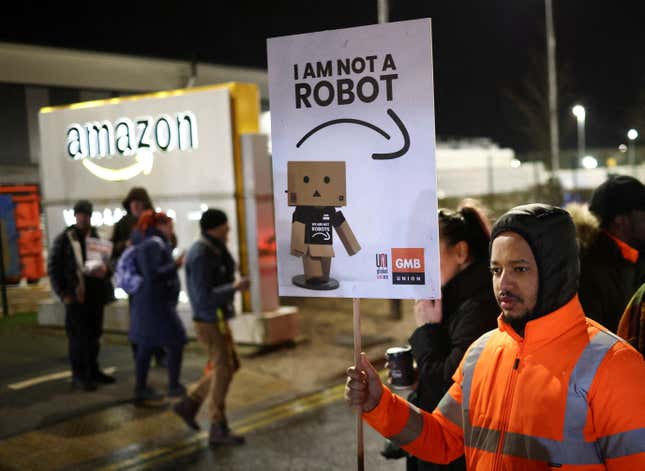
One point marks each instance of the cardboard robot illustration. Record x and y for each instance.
(316, 188)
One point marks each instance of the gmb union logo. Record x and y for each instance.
(382, 271)
(408, 266)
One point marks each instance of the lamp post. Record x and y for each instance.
(580, 113)
(553, 93)
(632, 135)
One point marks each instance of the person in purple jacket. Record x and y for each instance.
(155, 323)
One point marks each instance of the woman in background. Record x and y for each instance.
(155, 323)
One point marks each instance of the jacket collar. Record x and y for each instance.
(474, 279)
(550, 326)
(78, 234)
(628, 252)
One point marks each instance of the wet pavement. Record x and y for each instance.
(44, 425)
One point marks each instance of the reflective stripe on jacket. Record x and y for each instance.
(569, 395)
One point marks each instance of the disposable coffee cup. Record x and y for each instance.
(399, 361)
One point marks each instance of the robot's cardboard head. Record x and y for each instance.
(316, 183)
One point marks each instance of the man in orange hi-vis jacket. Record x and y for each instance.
(547, 389)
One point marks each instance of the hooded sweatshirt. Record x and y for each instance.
(551, 234)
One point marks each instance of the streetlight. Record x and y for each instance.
(553, 88)
(632, 135)
(580, 113)
(589, 162)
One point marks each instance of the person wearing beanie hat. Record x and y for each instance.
(211, 283)
(85, 289)
(612, 267)
(549, 388)
(212, 218)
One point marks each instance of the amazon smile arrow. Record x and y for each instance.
(375, 156)
(144, 161)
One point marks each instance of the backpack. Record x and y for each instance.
(127, 274)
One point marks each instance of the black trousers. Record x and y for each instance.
(84, 326)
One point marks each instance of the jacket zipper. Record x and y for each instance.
(508, 396)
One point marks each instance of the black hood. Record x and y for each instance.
(551, 234)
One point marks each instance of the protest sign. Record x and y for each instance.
(352, 123)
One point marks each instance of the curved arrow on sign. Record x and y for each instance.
(375, 156)
(144, 161)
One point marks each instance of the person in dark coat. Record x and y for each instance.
(135, 203)
(468, 309)
(155, 322)
(612, 267)
(85, 289)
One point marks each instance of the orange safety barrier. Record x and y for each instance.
(26, 199)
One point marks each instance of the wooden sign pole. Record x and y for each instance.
(360, 454)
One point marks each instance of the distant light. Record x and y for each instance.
(515, 163)
(107, 217)
(171, 213)
(579, 112)
(589, 162)
(632, 134)
(183, 297)
(622, 148)
(203, 207)
(120, 294)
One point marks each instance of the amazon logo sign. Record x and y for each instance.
(139, 138)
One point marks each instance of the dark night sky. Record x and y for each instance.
(482, 49)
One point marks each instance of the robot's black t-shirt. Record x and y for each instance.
(318, 223)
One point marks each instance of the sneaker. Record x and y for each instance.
(177, 391)
(101, 378)
(187, 410)
(220, 435)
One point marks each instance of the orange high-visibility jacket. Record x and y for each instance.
(569, 395)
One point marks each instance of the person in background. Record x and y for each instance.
(467, 310)
(135, 203)
(611, 265)
(85, 290)
(210, 276)
(632, 324)
(154, 322)
(548, 389)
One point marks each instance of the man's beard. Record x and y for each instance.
(514, 297)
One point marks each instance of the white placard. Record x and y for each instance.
(363, 98)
